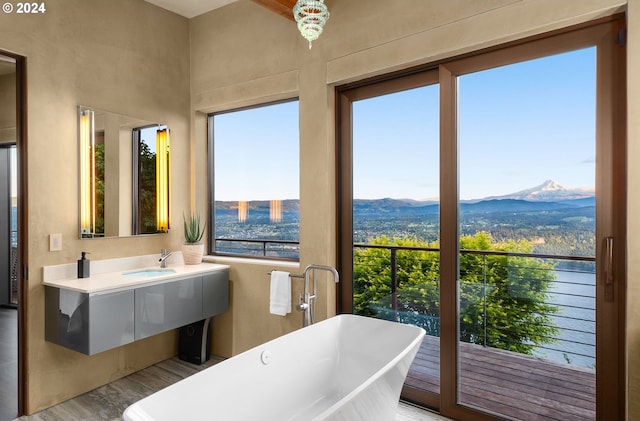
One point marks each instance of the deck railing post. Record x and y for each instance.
(394, 283)
(484, 298)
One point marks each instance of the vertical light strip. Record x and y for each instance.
(162, 180)
(275, 210)
(243, 210)
(87, 179)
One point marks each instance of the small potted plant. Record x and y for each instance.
(193, 249)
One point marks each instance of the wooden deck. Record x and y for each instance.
(510, 384)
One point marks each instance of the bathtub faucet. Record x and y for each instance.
(307, 299)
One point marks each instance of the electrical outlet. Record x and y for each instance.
(55, 242)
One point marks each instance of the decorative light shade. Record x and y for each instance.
(311, 15)
(162, 180)
(87, 173)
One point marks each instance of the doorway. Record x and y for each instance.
(12, 234)
(482, 199)
(8, 227)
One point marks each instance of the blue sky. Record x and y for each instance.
(539, 125)
(257, 153)
(519, 125)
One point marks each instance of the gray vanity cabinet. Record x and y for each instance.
(167, 306)
(97, 321)
(88, 323)
(215, 293)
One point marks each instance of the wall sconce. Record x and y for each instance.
(87, 173)
(162, 180)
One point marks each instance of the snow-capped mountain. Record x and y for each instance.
(548, 191)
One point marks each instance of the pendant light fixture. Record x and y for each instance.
(311, 15)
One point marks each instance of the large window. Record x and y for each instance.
(254, 159)
(480, 199)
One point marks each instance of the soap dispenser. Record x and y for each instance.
(83, 266)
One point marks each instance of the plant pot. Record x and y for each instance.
(192, 253)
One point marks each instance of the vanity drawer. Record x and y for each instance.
(167, 306)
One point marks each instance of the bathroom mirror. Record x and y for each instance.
(123, 175)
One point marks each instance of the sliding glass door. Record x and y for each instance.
(483, 200)
(527, 234)
(395, 182)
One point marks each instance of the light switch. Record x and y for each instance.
(55, 242)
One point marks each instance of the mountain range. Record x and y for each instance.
(548, 196)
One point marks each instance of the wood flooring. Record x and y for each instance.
(512, 384)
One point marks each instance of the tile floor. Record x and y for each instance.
(108, 402)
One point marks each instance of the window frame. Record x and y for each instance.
(611, 117)
(211, 229)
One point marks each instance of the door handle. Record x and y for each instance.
(608, 269)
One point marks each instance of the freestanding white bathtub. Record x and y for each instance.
(345, 368)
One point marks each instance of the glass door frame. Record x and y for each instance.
(610, 188)
(345, 191)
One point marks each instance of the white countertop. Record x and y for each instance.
(118, 280)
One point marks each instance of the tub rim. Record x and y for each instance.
(380, 372)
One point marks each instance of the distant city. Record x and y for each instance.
(558, 220)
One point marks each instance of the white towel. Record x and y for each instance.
(280, 302)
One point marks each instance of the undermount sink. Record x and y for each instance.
(149, 273)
